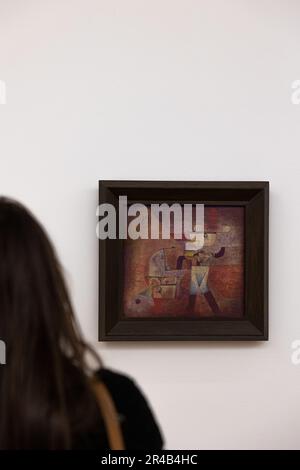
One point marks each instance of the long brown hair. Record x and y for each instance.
(45, 396)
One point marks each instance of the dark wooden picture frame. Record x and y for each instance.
(254, 197)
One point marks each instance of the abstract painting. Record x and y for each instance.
(172, 278)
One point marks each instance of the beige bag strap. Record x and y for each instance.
(110, 416)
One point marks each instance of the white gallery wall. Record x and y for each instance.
(164, 89)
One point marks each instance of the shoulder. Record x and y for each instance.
(114, 378)
(122, 387)
(139, 425)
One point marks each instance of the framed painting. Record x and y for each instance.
(183, 261)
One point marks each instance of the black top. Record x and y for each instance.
(139, 427)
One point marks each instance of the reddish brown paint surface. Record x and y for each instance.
(225, 279)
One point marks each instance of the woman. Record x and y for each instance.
(49, 397)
